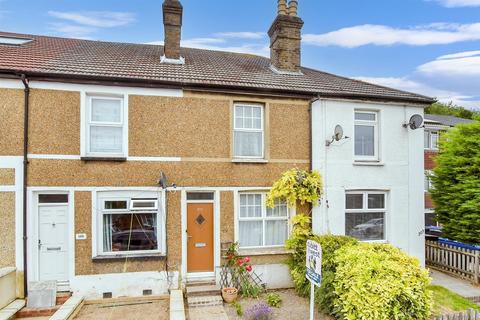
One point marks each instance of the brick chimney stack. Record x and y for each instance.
(172, 21)
(285, 38)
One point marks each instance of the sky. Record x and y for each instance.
(430, 47)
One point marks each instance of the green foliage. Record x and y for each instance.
(297, 243)
(446, 301)
(456, 183)
(296, 185)
(274, 300)
(377, 281)
(451, 110)
(240, 269)
(330, 244)
(238, 308)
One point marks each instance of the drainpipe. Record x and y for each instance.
(25, 178)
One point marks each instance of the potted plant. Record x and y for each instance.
(240, 268)
(229, 295)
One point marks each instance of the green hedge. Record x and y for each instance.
(359, 280)
(378, 281)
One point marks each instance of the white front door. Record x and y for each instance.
(53, 242)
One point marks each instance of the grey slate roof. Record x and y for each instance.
(446, 120)
(109, 61)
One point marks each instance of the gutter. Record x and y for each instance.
(212, 87)
(25, 177)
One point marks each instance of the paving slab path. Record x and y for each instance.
(457, 285)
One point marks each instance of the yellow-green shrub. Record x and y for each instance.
(378, 281)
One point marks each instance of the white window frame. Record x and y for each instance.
(262, 130)
(263, 218)
(87, 109)
(427, 180)
(429, 139)
(99, 211)
(365, 209)
(376, 135)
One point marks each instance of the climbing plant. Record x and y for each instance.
(296, 185)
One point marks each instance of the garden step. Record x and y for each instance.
(198, 283)
(209, 290)
(204, 301)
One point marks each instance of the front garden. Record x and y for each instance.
(360, 281)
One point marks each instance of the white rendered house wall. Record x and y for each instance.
(398, 171)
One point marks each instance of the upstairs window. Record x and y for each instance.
(427, 185)
(366, 135)
(106, 126)
(431, 140)
(248, 135)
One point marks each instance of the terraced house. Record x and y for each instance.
(127, 167)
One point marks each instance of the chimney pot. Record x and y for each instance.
(172, 21)
(293, 8)
(282, 7)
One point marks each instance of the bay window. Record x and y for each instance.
(259, 226)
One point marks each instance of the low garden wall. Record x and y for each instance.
(8, 286)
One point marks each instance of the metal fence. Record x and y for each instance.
(455, 260)
(467, 315)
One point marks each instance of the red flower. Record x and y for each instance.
(230, 256)
(249, 268)
(239, 261)
(247, 259)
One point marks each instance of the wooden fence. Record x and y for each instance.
(467, 315)
(460, 262)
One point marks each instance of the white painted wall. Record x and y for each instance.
(399, 171)
(129, 284)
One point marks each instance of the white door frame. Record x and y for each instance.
(216, 233)
(33, 234)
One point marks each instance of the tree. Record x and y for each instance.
(451, 110)
(456, 183)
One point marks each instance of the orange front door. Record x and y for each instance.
(200, 237)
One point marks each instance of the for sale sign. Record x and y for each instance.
(314, 262)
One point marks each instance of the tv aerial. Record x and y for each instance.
(337, 135)
(415, 122)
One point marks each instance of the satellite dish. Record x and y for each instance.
(415, 122)
(338, 133)
(163, 180)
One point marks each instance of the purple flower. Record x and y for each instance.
(260, 311)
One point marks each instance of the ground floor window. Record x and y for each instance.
(365, 215)
(259, 226)
(129, 223)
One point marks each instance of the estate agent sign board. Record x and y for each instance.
(314, 270)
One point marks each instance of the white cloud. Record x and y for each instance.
(380, 35)
(83, 24)
(98, 19)
(458, 3)
(463, 64)
(407, 84)
(222, 43)
(242, 35)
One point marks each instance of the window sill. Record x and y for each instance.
(249, 160)
(368, 163)
(264, 251)
(113, 159)
(129, 256)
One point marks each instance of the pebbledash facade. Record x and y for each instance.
(144, 161)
